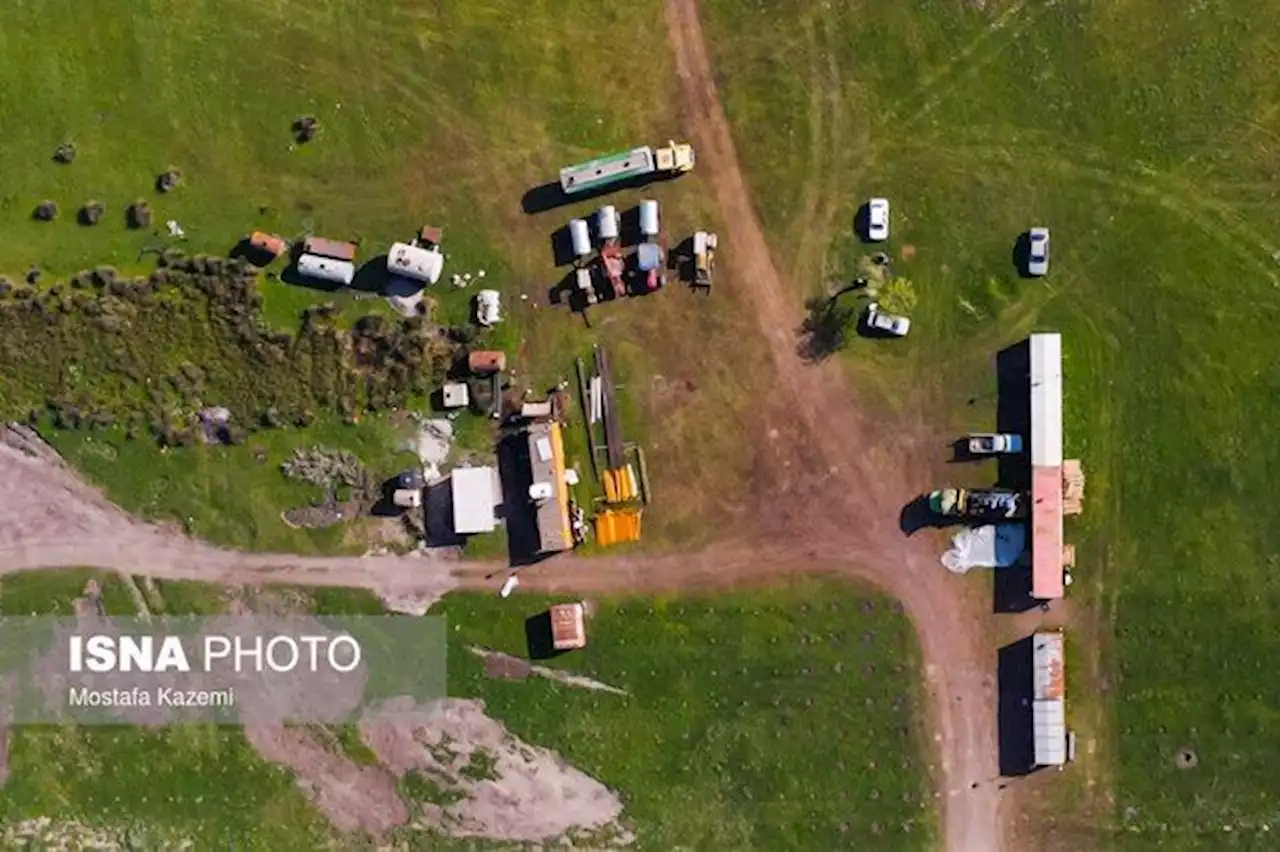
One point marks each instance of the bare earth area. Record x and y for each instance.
(503, 788)
(837, 482)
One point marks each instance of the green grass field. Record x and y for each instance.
(1147, 136)
(762, 720)
(755, 721)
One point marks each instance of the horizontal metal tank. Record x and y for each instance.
(607, 222)
(326, 269)
(649, 218)
(580, 237)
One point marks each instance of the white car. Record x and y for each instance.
(986, 443)
(488, 309)
(878, 219)
(1038, 251)
(890, 323)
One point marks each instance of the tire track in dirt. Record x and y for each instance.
(847, 476)
(958, 668)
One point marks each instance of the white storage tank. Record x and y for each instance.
(580, 237)
(649, 218)
(607, 223)
(415, 262)
(326, 269)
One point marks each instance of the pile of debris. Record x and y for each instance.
(329, 469)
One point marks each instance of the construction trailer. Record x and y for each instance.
(568, 626)
(415, 262)
(474, 491)
(320, 268)
(549, 492)
(267, 245)
(622, 166)
(704, 258)
(483, 362)
(1047, 569)
(336, 249)
(1049, 698)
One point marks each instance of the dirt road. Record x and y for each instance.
(872, 472)
(841, 481)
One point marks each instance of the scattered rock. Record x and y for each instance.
(169, 181)
(46, 211)
(65, 154)
(305, 128)
(138, 215)
(92, 213)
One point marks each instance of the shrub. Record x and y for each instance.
(46, 211)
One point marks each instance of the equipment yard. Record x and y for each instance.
(781, 424)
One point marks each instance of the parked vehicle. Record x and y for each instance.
(878, 219)
(1038, 251)
(890, 323)
(978, 505)
(984, 443)
(674, 159)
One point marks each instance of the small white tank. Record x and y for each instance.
(580, 236)
(607, 223)
(649, 218)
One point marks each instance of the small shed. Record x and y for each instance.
(484, 361)
(473, 491)
(536, 410)
(568, 626)
(268, 244)
(335, 249)
(455, 395)
(430, 235)
(326, 269)
(407, 498)
(415, 262)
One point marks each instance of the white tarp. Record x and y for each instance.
(991, 546)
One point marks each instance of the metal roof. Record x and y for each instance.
(1049, 724)
(1046, 399)
(473, 499)
(1048, 666)
(546, 462)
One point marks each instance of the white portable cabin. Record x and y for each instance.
(415, 262)
(580, 237)
(607, 222)
(1048, 699)
(326, 269)
(649, 218)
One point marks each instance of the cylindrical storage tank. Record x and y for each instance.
(649, 218)
(326, 269)
(580, 236)
(607, 223)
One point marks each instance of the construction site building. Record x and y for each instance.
(1047, 580)
(568, 626)
(335, 249)
(549, 491)
(474, 491)
(1048, 698)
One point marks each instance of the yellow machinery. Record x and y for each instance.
(616, 527)
(620, 485)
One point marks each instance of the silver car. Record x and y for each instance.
(1038, 251)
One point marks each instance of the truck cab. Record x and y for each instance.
(675, 158)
